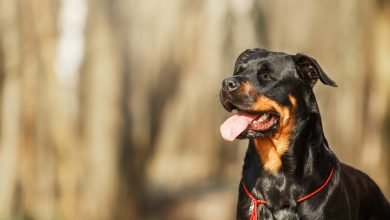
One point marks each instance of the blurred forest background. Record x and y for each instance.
(109, 109)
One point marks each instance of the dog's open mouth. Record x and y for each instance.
(249, 125)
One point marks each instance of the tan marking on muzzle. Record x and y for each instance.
(272, 147)
(248, 89)
(293, 101)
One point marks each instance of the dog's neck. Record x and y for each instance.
(307, 149)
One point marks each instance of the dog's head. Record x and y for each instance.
(267, 89)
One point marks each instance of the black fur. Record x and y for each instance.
(350, 193)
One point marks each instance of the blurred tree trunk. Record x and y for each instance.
(10, 105)
(375, 153)
(28, 134)
(48, 168)
(101, 89)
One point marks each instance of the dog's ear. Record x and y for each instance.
(310, 71)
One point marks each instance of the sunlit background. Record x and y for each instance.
(109, 109)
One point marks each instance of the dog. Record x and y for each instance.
(289, 170)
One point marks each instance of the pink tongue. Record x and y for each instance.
(235, 125)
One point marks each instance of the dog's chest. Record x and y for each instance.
(279, 194)
(270, 200)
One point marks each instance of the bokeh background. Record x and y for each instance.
(109, 109)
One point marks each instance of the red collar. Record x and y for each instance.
(256, 202)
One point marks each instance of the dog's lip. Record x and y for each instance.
(229, 106)
(263, 121)
(263, 125)
(251, 132)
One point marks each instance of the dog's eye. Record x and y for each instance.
(263, 73)
(266, 77)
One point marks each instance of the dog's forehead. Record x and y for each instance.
(274, 60)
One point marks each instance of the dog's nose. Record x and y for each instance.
(230, 84)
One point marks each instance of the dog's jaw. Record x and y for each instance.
(272, 147)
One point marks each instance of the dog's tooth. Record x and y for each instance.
(263, 117)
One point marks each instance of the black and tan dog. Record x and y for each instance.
(289, 170)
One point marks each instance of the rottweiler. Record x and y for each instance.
(289, 170)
